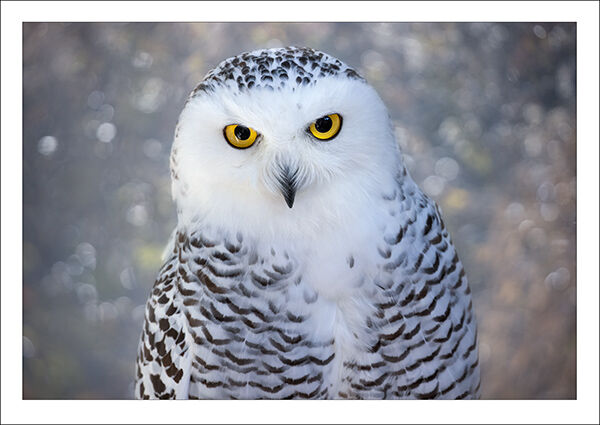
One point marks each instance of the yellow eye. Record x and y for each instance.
(327, 127)
(239, 136)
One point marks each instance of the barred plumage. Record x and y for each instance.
(355, 292)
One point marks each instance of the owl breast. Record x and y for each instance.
(385, 316)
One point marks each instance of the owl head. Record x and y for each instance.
(284, 136)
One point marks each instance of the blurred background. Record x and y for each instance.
(485, 116)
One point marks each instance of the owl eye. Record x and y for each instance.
(239, 136)
(327, 127)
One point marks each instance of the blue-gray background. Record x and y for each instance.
(484, 113)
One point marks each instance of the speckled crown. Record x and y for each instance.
(274, 69)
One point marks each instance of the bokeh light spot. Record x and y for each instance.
(47, 145)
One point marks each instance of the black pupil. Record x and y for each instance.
(242, 133)
(323, 125)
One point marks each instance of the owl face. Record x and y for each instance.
(297, 140)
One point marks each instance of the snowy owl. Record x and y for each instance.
(306, 263)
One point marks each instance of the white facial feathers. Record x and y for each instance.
(246, 185)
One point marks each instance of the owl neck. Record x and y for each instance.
(317, 212)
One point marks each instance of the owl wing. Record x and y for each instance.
(162, 363)
(426, 338)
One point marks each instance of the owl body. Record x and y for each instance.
(351, 288)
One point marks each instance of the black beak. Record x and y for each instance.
(287, 180)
